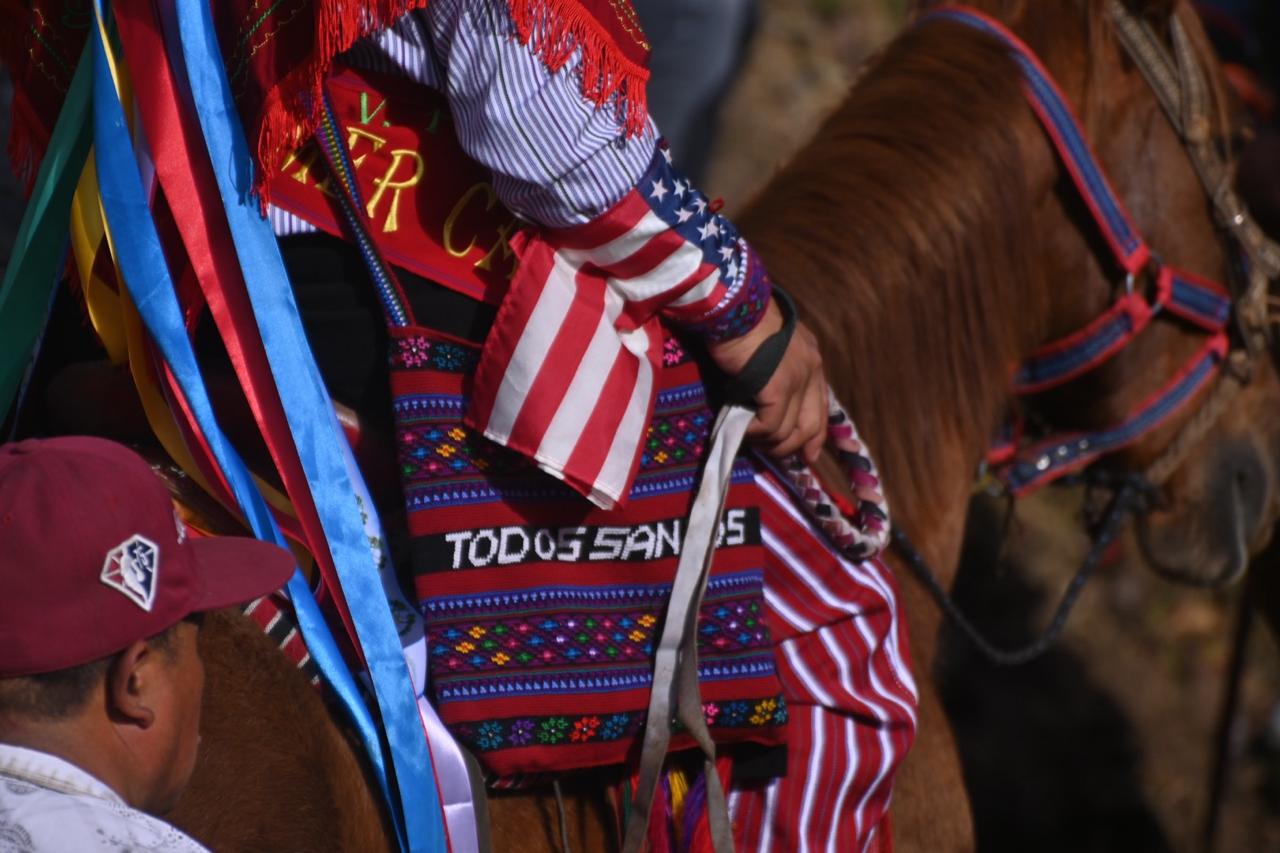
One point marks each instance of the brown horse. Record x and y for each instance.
(930, 234)
(955, 231)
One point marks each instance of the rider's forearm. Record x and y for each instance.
(563, 163)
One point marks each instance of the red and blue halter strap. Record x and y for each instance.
(1059, 121)
(1196, 300)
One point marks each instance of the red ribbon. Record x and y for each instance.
(177, 147)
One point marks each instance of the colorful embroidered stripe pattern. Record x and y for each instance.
(550, 730)
(540, 610)
(477, 637)
(445, 464)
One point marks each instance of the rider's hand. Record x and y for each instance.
(791, 410)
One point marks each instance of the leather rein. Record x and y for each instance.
(1234, 318)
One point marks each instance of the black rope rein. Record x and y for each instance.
(1125, 499)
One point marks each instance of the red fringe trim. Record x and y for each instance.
(557, 28)
(28, 140)
(28, 133)
(290, 110)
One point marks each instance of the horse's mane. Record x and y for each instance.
(904, 231)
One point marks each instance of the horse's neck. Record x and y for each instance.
(903, 232)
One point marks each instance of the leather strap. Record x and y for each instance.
(675, 665)
(743, 388)
(1180, 85)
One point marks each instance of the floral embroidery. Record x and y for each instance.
(764, 712)
(411, 352)
(556, 730)
(552, 730)
(584, 729)
(489, 735)
(417, 352)
(673, 352)
(733, 713)
(521, 732)
(614, 727)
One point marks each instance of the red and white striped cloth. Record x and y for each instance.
(567, 373)
(845, 671)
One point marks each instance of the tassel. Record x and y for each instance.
(697, 824)
(556, 29)
(660, 820)
(695, 809)
(679, 781)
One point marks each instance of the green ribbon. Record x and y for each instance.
(38, 252)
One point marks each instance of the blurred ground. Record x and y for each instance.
(798, 67)
(1106, 743)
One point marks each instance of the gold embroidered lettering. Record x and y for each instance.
(502, 249)
(305, 157)
(388, 182)
(354, 135)
(490, 199)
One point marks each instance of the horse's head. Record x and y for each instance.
(1219, 454)
(932, 214)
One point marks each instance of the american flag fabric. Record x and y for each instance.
(567, 374)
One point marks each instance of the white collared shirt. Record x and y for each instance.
(48, 805)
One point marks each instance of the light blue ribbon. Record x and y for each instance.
(145, 271)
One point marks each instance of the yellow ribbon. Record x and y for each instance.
(117, 322)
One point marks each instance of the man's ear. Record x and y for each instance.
(130, 683)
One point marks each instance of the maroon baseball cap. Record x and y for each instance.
(94, 557)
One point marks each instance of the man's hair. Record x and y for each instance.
(63, 692)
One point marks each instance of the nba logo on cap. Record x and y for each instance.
(131, 567)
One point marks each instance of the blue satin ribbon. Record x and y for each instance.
(316, 432)
(141, 257)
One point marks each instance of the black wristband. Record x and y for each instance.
(760, 368)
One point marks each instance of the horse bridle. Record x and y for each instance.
(1235, 317)
(1179, 83)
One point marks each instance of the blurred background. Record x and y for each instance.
(1107, 743)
